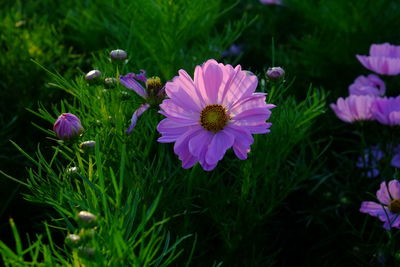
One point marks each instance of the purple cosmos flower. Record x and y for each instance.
(153, 93)
(212, 113)
(275, 73)
(382, 59)
(67, 126)
(369, 161)
(92, 75)
(354, 108)
(386, 110)
(367, 85)
(271, 2)
(388, 210)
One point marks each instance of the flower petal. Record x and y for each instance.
(171, 129)
(221, 142)
(135, 117)
(394, 189)
(129, 82)
(383, 194)
(243, 141)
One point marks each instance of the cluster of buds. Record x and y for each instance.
(87, 221)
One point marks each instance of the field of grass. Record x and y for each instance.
(108, 197)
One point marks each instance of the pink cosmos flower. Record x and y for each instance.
(153, 93)
(382, 59)
(271, 2)
(67, 126)
(367, 85)
(388, 210)
(354, 108)
(386, 110)
(212, 113)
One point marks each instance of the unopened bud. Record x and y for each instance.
(275, 73)
(67, 126)
(87, 234)
(118, 55)
(86, 216)
(72, 239)
(72, 170)
(86, 252)
(92, 75)
(110, 82)
(87, 144)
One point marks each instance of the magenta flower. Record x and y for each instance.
(382, 59)
(271, 2)
(367, 85)
(386, 110)
(67, 126)
(388, 209)
(153, 93)
(212, 113)
(354, 108)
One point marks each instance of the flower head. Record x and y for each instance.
(212, 113)
(388, 210)
(153, 92)
(67, 126)
(354, 108)
(275, 73)
(383, 59)
(386, 110)
(367, 85)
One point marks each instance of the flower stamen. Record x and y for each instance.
(394, 206)
(214, 118)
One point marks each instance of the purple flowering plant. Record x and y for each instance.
(388, 208)
(152, 92)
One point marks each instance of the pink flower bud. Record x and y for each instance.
(67, 126)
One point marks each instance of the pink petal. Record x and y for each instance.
(181, 147)
(394, 189)
(241, 85)
(200, 142)
(182, 96)
(243, 141)
(172, 110)
(129, 82)
(135, 117)
(212, 80)
(221, 142)
(171, 129)
(383, 194)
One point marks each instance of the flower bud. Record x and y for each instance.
(86, 252)
(118, 55)
(87, 144)
(87, 234)
(110, 82)
(72, 240)
(93, 75)
(86, 217)
(72, 170)
(67, 126)
(275, 73)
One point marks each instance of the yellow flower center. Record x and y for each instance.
(394, 206)
(214, 118)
